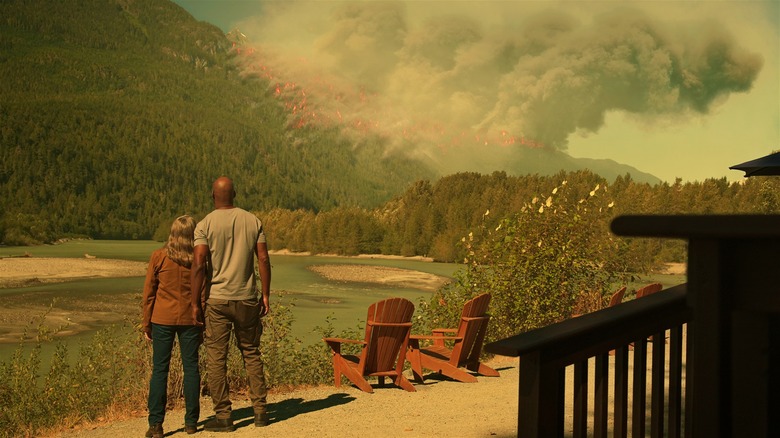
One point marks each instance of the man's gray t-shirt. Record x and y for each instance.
(232, 234)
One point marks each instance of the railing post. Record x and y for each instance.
(541, 394)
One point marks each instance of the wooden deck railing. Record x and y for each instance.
(732, 305)
(630, 329)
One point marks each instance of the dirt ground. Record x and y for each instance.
(439, 408)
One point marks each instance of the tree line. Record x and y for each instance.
(432, 218)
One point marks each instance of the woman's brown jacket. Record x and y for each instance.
(166, 299)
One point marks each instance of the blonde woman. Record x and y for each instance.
(166, 315)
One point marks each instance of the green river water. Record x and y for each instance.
(314, 298)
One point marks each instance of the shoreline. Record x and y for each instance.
(75, 315)
(287, 252)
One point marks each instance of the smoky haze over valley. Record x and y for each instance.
(471, 88)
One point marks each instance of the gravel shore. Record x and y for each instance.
(439, 408)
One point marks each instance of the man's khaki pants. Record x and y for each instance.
(244, 318)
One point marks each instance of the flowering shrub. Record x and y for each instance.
(553, 258)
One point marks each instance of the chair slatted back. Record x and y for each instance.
(617, 297)
(472, 328)
(388, 326)
(649, 289)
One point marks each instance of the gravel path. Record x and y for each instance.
(439, 408)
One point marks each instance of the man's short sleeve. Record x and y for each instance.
(200, 234)
(261, 234)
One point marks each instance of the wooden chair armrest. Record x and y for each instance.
(474, 318)
(343, 341)
(444, 330)
(390, 324)
(434, 338)
(335, 343)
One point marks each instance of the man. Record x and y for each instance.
(226, 243)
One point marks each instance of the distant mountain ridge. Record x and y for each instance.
(117, 115)
(541, 161)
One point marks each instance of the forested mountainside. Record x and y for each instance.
(116, 115)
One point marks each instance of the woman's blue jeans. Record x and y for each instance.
(162, 345)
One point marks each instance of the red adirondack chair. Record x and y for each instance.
(467, 342)
(617, 297)
(383, 352)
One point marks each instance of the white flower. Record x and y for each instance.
(549, 201)
(555, 190)
(541, 209)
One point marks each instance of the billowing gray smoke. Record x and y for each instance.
(461, 78)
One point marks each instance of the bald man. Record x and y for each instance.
(227, 241)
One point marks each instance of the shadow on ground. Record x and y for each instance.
(286, 409)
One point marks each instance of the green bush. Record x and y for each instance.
(554, 258)
(110, 373)
(105, 375)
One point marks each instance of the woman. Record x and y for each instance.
(166, 315)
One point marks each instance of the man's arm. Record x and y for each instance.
(198, 281)
(264, 268)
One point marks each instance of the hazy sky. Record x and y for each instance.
(673, 88)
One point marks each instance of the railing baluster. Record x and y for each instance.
(657, 394)
(639, 407)
(561, 412)
(675, 381)
(581, 399)
(601, 397)
(621, 392)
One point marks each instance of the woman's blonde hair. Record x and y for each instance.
(180, 241)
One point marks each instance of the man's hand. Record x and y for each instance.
(197, 315)
(200, 256)
(265, 308)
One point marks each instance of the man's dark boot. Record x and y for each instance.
(261, 419)
(219, 425)
(155, 431)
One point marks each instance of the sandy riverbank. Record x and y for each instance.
(381, 275)
(79, 315)
(26, 271)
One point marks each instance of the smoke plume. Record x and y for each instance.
(461, 79)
